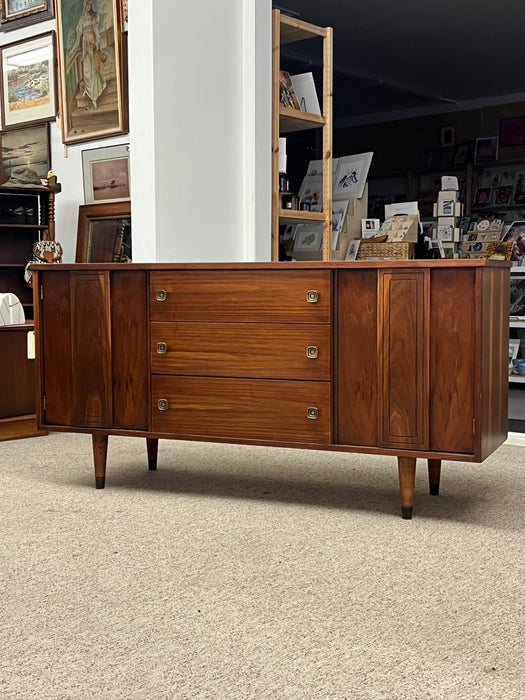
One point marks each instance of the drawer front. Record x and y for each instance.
(250, 409)
(288, 296)
(280, 351)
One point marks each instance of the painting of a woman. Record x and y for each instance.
(91, 81)
(88, 39)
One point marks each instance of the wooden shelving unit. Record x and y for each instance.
(286, 120)
(26, 215)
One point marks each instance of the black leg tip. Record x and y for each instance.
(406, 512)
(434, 489)
(152, 465)
(100, 482)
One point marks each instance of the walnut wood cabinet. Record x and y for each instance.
(403, 358)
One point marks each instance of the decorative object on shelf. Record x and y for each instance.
(350, 176)
(514, 346)
(486, 149)
(100, 227)
(498, 250)
(353, 249)
(482, 196)
(304, 88)
(287, 95)
(517, 297)
(14, 14)
(44, 251)
(512, 131)
(26, 146)
(92, 70)
(28, 87)
(503, 195)
(11, 310)
(376, 249)
(448, 136)
(369, 227)
(516, 234)
(22, 176)
(106, 174)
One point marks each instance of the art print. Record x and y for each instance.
(92, 73)
(28, 81)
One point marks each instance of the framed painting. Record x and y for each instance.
(27, 147)
(28, 87)
(486, 149)
(512, 131)
(104, 232)
(19, 13)
(93, 70)
(106, 174)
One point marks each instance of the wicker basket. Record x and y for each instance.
(395, 251)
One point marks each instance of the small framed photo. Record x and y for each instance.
(486, 149)
(369, 227)
(503, 195)
(106, 174)
(28, 146)
(19, 13)
(353, 249)
(514, 346)
(308, 237)
(512, 131)
(28, 87)
(448, 136)
(462, 154)
(482, 196)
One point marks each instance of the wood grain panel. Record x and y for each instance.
(403, 396)
(56, 350)
(91, 343)
(258, 409)
(241, 296)
(242, 350)
(453, 357)
(356, 354)
(18, 390)
(494, 400)
(130, 351)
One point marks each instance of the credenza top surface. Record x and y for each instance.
(314, 265)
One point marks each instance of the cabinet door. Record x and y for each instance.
(94, 349)
(383, 358)
(403, 357)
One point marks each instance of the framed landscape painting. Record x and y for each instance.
(93, 71)
(19, 13)
(106, 174)
(28, 87)
(29, 147)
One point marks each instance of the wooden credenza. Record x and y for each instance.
(403, 358)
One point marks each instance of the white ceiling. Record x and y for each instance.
(400, 58)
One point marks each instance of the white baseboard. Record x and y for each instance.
(517, 439)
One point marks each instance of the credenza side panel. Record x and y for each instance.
(454, 355)
(495, 302)
(91, 344)
(130, 349)
(403, 358)
(356, 357)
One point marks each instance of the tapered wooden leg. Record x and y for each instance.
(152, 445)
(434, 473)
(407, 480)
(100, 453)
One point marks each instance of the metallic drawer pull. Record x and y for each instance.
(312, 296)
(313, 413)
(160, 295)
(312, 352)
(162, 348)
(163, 404)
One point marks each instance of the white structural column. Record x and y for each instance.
(200, 129)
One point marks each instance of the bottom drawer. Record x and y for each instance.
(251, 409)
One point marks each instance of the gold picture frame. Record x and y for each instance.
(92, 60)
(18, 13)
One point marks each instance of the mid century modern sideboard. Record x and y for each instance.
(405, 358)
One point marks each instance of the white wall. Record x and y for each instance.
(200, 132)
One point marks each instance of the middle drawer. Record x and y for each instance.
(272, 350)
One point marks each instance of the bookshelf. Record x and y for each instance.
(286, 120)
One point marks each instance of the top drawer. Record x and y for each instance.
(286, 296)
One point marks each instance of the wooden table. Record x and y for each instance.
(405, 358)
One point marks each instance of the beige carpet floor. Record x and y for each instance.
(249, 572)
